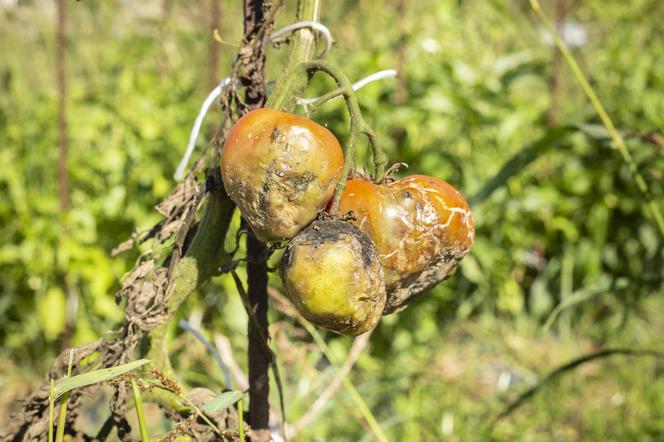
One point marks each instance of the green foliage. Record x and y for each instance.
(563, 238)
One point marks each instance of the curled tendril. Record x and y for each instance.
(394, 168)
(321, 28)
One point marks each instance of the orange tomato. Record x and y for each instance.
(280, 170)
(422, 227)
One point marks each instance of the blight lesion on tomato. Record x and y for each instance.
(333, 276)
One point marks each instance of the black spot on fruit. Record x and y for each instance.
(276, 134)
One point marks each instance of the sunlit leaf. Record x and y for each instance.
(94, 377)
(225, 400)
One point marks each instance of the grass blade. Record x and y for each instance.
(51, 411)
(225, 400)
(523, 397)
(62, 415)
(93, 377)
(348, 385)
(582, 295)
(518, 162)
(140, 415)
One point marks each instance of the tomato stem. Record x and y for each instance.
(357, 124)
(292, 81)
(204, 256)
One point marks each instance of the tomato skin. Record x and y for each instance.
(422, 227)
(280, 170)
(332, 274)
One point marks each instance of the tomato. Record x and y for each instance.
(421, 225)
(281, 170)
(332, 274)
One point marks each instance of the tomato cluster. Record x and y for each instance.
(401, 238)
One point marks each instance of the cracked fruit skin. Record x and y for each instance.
(422, 228)
(332, 274)
(281, 170)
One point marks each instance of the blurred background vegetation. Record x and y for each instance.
(566, 259)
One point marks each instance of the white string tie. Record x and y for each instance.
(193, 136)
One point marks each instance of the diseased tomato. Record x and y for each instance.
(281, 170)
(421, 225)
(332, 274)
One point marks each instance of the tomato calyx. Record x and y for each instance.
(391, 171)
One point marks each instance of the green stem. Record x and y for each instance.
(200, 414)
(158, 353)
(62, 414)
(51, 410)
(140, 415)
(165, 400)
(618, 141)
(292, 80)
(240, 418)
(345, 89)
(357, 125)
(329, 96)
(191, 407)
(203, 259)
